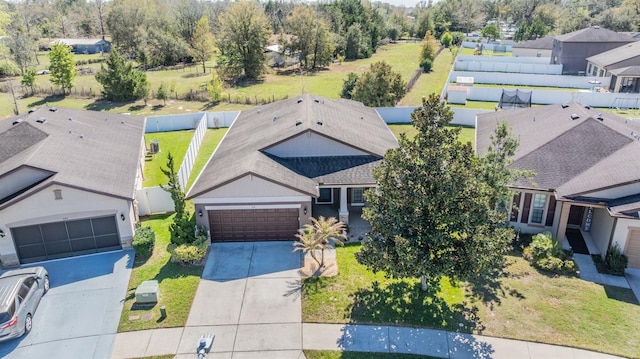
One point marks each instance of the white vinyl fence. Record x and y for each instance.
(461, 116)
(504, 59)
(508, 67)
(547, 97)
(155, 199)
(520, 79)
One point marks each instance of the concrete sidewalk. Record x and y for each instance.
(364, 338)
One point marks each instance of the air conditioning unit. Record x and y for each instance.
(154, 147)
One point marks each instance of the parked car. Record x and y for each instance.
(20, 294)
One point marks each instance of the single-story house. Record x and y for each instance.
(572, 49)
(276, 56)
(534, 48)
(587, 175)
(85, 46)
(282, 163)
(67, 183)
(624, 61)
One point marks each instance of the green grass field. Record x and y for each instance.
(530, 306)
(174, 142)
(433, 82)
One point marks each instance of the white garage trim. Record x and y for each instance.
(257, 206)
(205, 200)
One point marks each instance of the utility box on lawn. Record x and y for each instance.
(147, 292)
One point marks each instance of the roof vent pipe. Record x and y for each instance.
(319, 123)
(565, 105)
(599, 117)
(574, 116)
(298, 123)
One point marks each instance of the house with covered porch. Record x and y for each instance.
(586, 187)
(281, 164)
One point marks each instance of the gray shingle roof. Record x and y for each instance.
(622, 53)
(96, 151)
(570, 156)
(333, 170)
(594, 34)
(545, 43)
(629, 71)
(241, 150)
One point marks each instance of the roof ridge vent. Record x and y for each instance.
(17, 121)
(599, 117)
(565, 105)
(298, 123)
(41, 120)
(299, 100)
(53, 109)
(575, 116)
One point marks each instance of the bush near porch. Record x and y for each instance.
(531, 306)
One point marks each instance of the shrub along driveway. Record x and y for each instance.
(79, 315)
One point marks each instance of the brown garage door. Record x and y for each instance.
(632, 250)
(253, 224)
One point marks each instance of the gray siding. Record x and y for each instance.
(573, 55)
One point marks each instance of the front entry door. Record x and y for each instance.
(576, 213)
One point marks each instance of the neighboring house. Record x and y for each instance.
(85, 46)
(275, 55)
(622, 64)
(572, 49)
(67, 183)
(281, 163)
(534, 48)
(587, 174)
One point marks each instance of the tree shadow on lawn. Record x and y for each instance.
(620, 294)
(46, 100)
(405, 303)
(104, 105)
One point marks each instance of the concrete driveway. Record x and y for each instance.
(249, 298)
(79, 316)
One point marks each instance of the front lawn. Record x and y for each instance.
(530, 306)
(177, 284)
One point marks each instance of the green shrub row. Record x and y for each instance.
(143, 241)
(90, 61)
(616, 262)
(545, 253)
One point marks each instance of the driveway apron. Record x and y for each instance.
(78, 317)
(249, 298)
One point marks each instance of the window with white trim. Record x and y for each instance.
(537, 208)
(357, 195)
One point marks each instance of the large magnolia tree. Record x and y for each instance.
(433, 214)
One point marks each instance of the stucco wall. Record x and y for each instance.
(622, 231)
(42, 207)
(310, 144)
(601, 226)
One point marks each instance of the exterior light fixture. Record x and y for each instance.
(122, 216)
(200, 213)
(304, 210)
(2, 234)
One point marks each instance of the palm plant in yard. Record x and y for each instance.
(318, 236)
